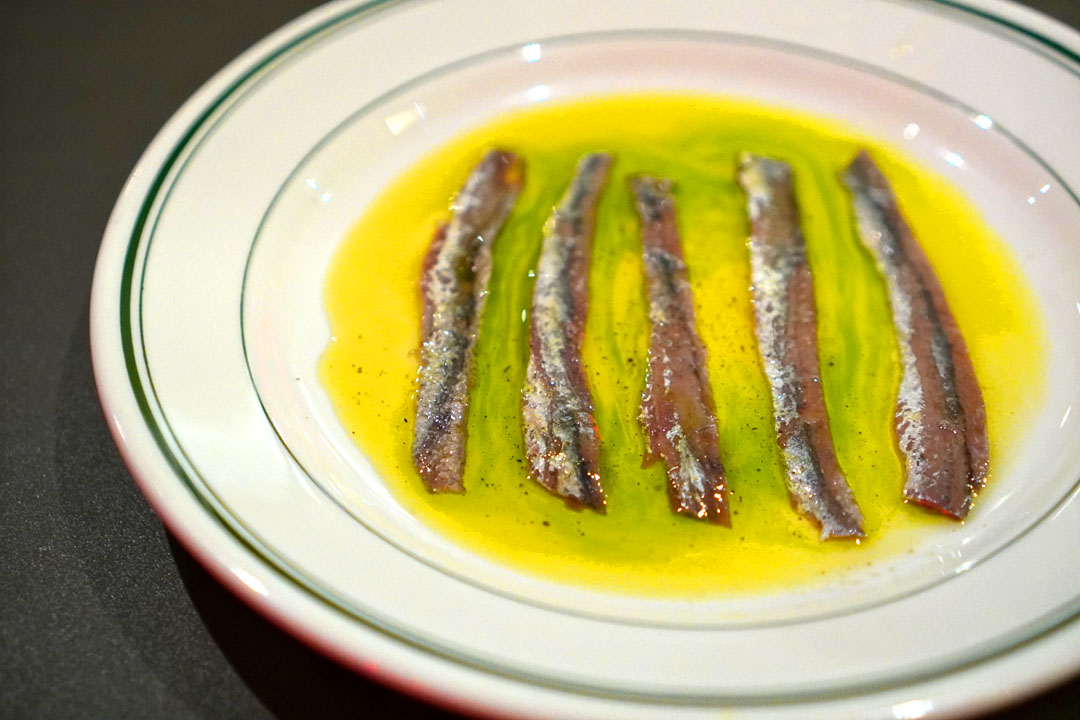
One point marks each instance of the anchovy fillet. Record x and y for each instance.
(561, 439)
(786, 326)
(940, 416)
(453, 288)
(677, 407)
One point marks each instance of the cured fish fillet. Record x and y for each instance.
(453, 288)
(940, 416)
(786, 327)
(677, 408)
(562, 443)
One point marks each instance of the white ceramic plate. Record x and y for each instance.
(207, 324)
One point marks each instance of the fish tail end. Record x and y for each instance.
(439, 476)
(720, 515)
(843, 531)
(951, 508)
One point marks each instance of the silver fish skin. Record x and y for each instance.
(786, 327)
(940, 417)
(453, 289)
(677, 406)
(561, 438)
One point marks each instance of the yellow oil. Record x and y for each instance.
(640, 547)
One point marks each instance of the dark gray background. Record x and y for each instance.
(102, 613)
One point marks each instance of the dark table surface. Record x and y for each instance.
(102, 613)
